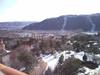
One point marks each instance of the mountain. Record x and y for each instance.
(13, 25)
(68, 22)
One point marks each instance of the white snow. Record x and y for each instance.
(52, 61)
(22, 69)
(79, 55)
(95, 43)
(7, 51)
(90, 33)
(92, 71)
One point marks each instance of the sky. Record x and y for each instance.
(38, 10)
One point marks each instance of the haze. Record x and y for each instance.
(37, 10)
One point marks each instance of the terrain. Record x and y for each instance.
(68, 22)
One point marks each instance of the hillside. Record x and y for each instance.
(68, 22)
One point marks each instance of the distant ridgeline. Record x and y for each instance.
(68, 22)
(13, 25)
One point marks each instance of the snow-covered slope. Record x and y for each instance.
(52, 61)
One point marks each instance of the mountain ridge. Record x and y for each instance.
(74, 22)
(13, 25)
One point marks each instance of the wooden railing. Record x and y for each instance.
(10, 71)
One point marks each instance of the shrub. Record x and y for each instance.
(27, 59)
(69, 67)
(61, 59)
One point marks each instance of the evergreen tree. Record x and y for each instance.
(61, 59)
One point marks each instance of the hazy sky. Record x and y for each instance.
(37, 10)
